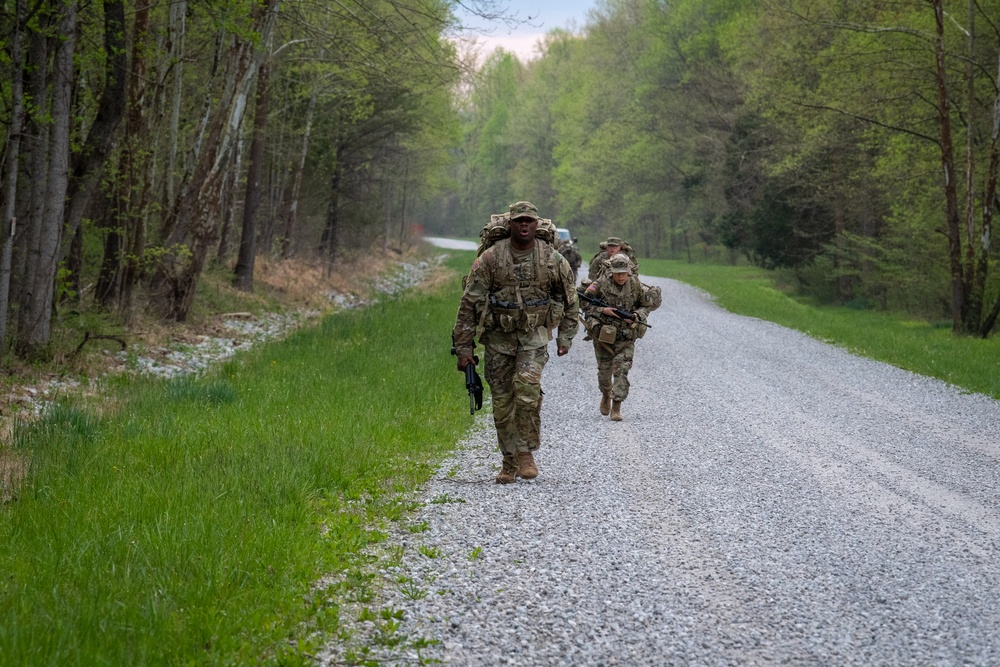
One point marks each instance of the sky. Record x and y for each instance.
(545, 16)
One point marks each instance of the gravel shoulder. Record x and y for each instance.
(768, 499)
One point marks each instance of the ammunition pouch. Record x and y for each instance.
(608, 334)
(509, 317)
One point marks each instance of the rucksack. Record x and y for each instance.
(652, 296)
(499, 228)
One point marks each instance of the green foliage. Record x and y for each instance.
(802, 134)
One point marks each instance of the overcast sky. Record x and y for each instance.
(545, 16)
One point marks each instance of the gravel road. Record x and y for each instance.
(769, 499)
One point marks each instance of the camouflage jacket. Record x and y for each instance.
(628, 297)
(599, 263)
(517, 302)
(568, 250)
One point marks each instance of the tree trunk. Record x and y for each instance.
(89, 162)
(989, 202)
(34, 339)
(292, 207)
(178, 273)
(36, 142)
(108, 284)
(958, 304)
(229, 203)
(243, 274)
(329, 240)
(974, 296)
(128, 210)
(177, 30)
(12, 154)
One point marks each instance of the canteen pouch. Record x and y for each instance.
(608, 334)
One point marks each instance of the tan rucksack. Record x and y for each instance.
(499, 228)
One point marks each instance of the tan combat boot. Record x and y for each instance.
(526, 468)
(616, 411)
(509, 469)
(605, 404)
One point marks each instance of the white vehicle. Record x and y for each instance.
(563, 234)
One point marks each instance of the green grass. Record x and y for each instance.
(921, 347)
(190, 524)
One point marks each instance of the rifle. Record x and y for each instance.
(473, 383)
(624, 314)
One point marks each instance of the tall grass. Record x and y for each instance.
(189, 524)
(922, 347)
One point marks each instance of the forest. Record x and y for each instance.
(850, 144)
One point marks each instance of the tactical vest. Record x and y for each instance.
(516, 305)
(629, 299)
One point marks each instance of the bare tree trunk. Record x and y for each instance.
(974, 297)
(36, 142)
(958, 305)
(35, 337)
(178, 274)
(108, 281)
(228, 202)
(193, 157)
(328, 242)
(989, 201)
(243, 273)
(388, 217)
(12, 153)
(177, 32)
(89, 162)
(292, 208)
(129, 211)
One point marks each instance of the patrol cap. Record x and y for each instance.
(619, 264)
(523, 209)
(614, 240)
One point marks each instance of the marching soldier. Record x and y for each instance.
(520, 289)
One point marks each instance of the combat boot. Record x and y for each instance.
(605, 404)
(509, 469)
(616, 411)
(526, 468)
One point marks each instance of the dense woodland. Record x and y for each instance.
(852, 144)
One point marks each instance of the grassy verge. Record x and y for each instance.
(187, 521)
(970, 363)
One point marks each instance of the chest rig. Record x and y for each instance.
(520, 299)
(624, 298)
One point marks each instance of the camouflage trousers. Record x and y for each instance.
(516, 387)
(613, 364)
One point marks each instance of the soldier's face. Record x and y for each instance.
(620, 278)
(613, 249)
(523, 230)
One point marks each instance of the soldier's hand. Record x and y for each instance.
(463, 362)
(609, 312)
(562, 350)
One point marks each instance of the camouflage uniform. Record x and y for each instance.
(614, 359)
(569, 251)
(518, 298)
(599, 262)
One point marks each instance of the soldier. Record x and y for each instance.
(572, 255)
(614, 337)
(519, 290)
(609, 249)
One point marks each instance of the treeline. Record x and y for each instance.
(143, 141)
(852, 143)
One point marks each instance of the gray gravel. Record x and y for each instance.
(769, 499)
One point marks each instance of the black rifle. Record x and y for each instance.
(473, 383)
(624, 314)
